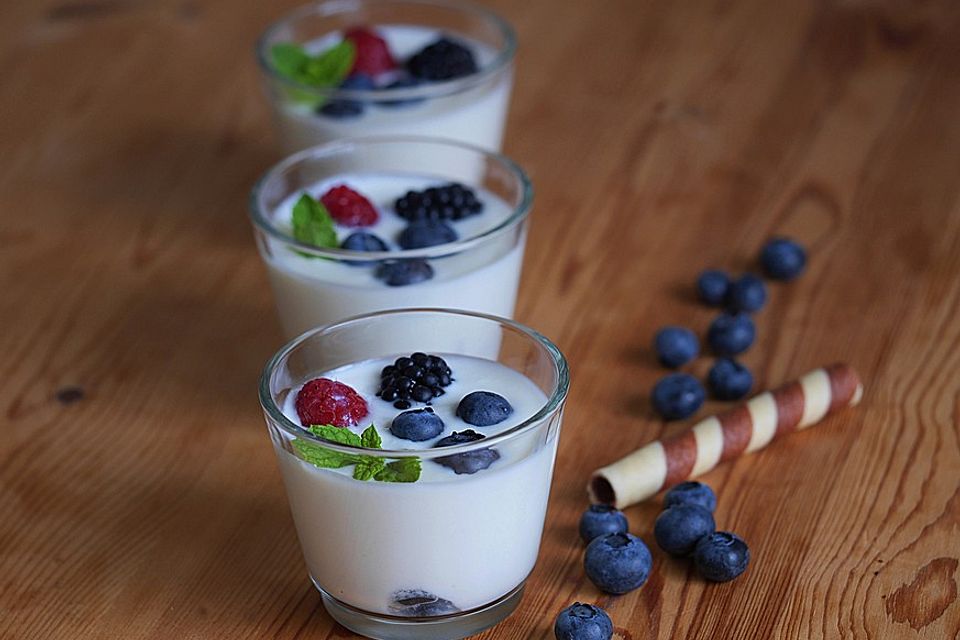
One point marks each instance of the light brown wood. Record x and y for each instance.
(664, 137)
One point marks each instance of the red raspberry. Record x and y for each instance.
(373, 54)
(348, 207)
(324, 401)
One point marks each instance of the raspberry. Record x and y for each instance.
(326, 402)
(373, 54)
(348, 207)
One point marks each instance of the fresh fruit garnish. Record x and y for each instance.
(747, 293)
(483, 408)
(601, 519)
(729, 380)
(468, 462)
(679, 528)
(721, 556)
(404, 82)
(417, 425)
(400, 273)
(373, 54)
(677, 396)
(418, 603)
(426, 233)
(783, 259)
(363, 241)
(450, 202)
(444, 59)
(322, 401)
(418, 378)
(691, 492)
(676, 346)
(348, 207)
(617, 562)
(340, 108)
(583, 622)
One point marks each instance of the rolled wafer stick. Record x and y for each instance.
(743, 429)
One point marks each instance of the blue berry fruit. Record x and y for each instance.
(417, 425)
(729, 380)
(419, 603)
(676, 346)
(362, 241)
(721, 556)
(426, 233)
(679, 528)
(747, 293)
(783, 259)
(690, 492)
(712, 286)
(583, 622)
(444, 59)
(468, 462)
(483, 408)
(348, 108)
(400, 273)
(677, 396)
(406, 82)
(731, 333)
(601, 519)
(617, 562)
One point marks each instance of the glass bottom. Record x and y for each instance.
(450, 627)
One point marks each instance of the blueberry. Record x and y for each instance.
(417, 425)
(617, 562)
(405, 82)
(690, 492)
(729, 380)
(601, 519)
(783, 259)
(468, 462)
(721, 557)
(678, 528)
(400, 273)
(583, 622)
(418, 603)
(426, 233)
(358, 82)
(676, 346)
(677, 396)
(339, 108)
(747, 293)
(483, 408)
(712, 285)
(362, 241)
(731, 333)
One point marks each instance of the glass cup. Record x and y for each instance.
(478, 272)
(445, 556)
(470, 109)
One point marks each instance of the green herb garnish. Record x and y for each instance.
(326, 69)
(312, 223)
(365, 467)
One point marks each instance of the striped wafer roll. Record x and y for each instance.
(743, 429)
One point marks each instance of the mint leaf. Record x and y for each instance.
(341, 435)
(368, 467)
(312, 223)
(289, 59)
(328, 69)
(322, 457)
(370, 439)
(401, 470)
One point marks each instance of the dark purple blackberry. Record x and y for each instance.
(415, 378)
(450, 202)
(443, 59)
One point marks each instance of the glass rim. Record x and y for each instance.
(261, 218)
(553, 403)
(501, 60)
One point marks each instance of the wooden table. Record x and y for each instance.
(139, 497)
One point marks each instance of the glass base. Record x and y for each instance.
(451, 627)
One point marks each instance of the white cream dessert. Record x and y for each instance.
(458, 534)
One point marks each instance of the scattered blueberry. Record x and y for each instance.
(400, 273)
(677, 396)
(679, 527)
(583, 622)
(468, 462)
(729, 380)
(443, 59)
(783, 259)
(426, 233)
(721, 556)
(730, 334)
(339, 108)
(483, 408)
(418, 377)
(452, 201)
(712, 285)
(676, 346)
(405, 82)
(617, 562)
(747, 293)
(417, 425)
(418, 603)
(690, 492)
(601, 519)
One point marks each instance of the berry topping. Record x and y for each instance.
(676, 346)
(583, 622)
(483, 408)
(426, 233)
(417, 425)
(729, 380)
(679, 528)
(783, 259)
(677, 396)
(721, 556)
(348, 207)
(418, 603)
(712, 286)
(617, 562)
(691, 492)
(326, 402)
(363, 241)
(468, 462)
(730, 334)
(444, 59)
(450, 202)
(405, 82)
(601, 519)
(340, 108)
(373, 54)
(400, 273)
(747, 293)
(417, 378)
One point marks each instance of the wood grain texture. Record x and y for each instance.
(139, 497)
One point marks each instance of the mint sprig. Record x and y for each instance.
(326, 69)
(312, 223)
(364, 467)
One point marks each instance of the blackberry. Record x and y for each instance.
(444, 59)
(415, 378)
(452, 201)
